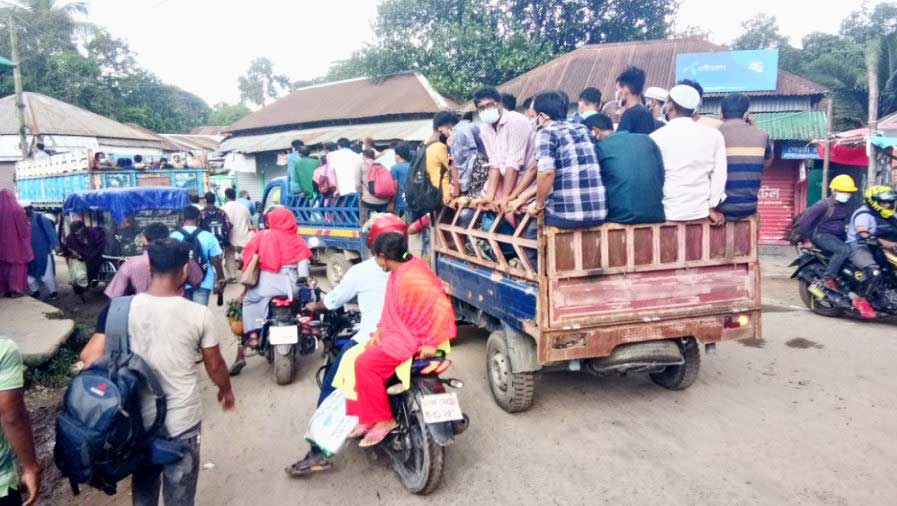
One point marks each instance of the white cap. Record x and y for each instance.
(657, 93)
(685, 96)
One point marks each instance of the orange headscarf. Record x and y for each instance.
(278, 246)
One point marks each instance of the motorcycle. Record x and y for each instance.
(881, 291)
(288, 332)
(429, 417)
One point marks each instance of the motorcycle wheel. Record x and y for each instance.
(284, 364)
(421, 471)
(822, 308)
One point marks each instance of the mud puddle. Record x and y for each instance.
(802, 344)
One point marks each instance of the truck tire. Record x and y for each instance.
(822, 308)
(513, 392)
(680, 377)
(337, 266)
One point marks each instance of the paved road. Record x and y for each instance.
(808, 415)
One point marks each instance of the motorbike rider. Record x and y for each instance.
(874, 220)
(365, 281)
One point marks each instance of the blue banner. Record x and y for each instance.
(800, 152)
(730, 71)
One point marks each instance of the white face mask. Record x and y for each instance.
(490, 116)
(841, 197)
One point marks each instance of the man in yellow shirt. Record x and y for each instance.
(439, 166)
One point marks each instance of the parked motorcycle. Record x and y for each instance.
(429, 417)
(288, 332)
(881, 292)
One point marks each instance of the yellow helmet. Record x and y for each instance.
(882, 199)
(843, 183)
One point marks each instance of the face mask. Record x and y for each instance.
(490, 116)
(841, 197)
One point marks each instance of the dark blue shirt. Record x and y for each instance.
(400, 174)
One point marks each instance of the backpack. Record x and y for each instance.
(420, 195)
(794, 236)
(325, 177)
(217, 224)
(100, 436)
(197, 254)
(380, 182)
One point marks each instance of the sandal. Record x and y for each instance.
(376, 435)
(252, 341)
(359, 431)
(311, 464)
(237, 367)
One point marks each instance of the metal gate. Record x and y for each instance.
(776, 202)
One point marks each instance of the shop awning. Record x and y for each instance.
(883, 142)
(792, 126)
(413, 130)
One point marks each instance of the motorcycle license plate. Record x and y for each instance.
(438, 408)
(283, 335)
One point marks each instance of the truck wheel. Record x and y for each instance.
(284, 364)
(680, 377)
(513, 392)
(820, 307)
(337, 266)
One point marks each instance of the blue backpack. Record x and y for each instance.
(100, 436)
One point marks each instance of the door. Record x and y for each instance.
(776, 202)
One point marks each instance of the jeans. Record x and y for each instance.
(839, 250)
(177, 481)
(199, 296)
(861, 256)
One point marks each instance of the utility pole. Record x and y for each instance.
(872, 55)
(17, 79)
(826, 160)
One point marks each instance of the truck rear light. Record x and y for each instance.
(736, 322)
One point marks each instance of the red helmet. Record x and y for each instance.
(383, 224)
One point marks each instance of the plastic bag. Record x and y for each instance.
(330, 425)
(78, 273)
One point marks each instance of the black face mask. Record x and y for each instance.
(443, 138)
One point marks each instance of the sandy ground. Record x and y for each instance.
(806, 415)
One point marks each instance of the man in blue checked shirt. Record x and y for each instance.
(569, 188)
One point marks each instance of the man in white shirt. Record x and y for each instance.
(240, 219)
(347, 167)
(365, 282)
(694, 160)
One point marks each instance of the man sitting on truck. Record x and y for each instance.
(632, 171)
(694, 160)
(569, 188)
(346, 165)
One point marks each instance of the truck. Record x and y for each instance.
(613, 299)
(331, 227)
(48, 182)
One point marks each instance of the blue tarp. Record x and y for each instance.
(883, 142)
(123, 202)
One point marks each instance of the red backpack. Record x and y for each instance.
(380, 182)
(325, 177)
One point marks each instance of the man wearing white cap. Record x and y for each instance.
(694, 159)
(654, 99)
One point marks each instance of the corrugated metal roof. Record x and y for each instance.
(598, 65)
(792, 126)
(186, 142)
(47, 116)
(414, 130)
(208, 130)
(393, 95)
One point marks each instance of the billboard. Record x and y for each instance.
(729, 71)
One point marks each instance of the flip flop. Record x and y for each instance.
(376, 435)
(237, 367)
(311, 464)
(359, 431)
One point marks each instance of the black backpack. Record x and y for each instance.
(794, 235)
(216, 223)
(196, 251)
(100, 436)
(420, 194)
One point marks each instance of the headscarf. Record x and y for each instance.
(15, 231)
(279, 245)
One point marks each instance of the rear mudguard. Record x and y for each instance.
(803, 262)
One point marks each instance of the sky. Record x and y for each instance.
(203, 46)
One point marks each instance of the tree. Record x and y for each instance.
(223, 114)
(261, 83)
(760, 32)
(863, 25)
(692, 32)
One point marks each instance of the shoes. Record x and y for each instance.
(53, 296)
(35, 294)
(237, 368)
(864, 308)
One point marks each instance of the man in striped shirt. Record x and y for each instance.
(748, 151)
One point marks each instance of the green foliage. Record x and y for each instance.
(223, 114)
(463, 44)
(261, 83)
(56, 373)
(76, 62)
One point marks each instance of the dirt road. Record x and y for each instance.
(807, 415)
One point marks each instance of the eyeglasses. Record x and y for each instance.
(484, 107)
